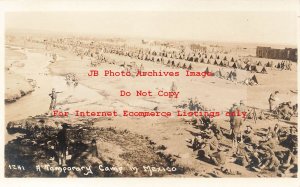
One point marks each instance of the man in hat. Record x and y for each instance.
(204, 152)
(44, 129)
(216, 130)
(205, 121)
(254, 158)
(236, 123)
(272, 100)
(231, 117)
(286, 111)
(269, 142)
(196, 104)
(209, 145)
(290, 160)
(62, 140)
(270, 162)
(242, 107)
(191, 104)
(53, 96)
(196, 143)
(248, 134)
(277, 131)
(94, 149)
(271, 133)
(219, 157)
(291, 138)
(242, 154)
(211, 139)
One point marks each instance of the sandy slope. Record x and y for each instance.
(16, 85)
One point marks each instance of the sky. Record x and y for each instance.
(274, 27)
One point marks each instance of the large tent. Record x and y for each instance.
(253, 68)
(233, 65)
(221, 63)
(245, 66)
(261, 69)
(207, 70)
(269, 64)
(215, 62)
(253, 78)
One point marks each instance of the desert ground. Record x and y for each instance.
(131, 141)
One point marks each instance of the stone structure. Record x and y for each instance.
(283, 54)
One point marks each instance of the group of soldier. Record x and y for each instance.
(284, 110)
(284, 65)
(260, 150)
(71, 79)
(192, 104)
(257, 155)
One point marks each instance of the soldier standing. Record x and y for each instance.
(173, 87)
(236, 122)
(231, 117)
(62, 140)
(53, 96)
(191, 104)
(54, 57)
(242, 107)
(272, 100)
(94, 148)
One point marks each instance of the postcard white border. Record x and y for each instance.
(139, 5)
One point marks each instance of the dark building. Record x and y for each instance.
(197, 47)
(283, 54)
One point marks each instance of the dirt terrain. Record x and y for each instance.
(16, 85)
(120, 153)
(139, 141)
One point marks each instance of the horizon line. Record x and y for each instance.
(93, 35)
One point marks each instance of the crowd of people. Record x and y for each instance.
(272, 149)
(283, 110)
(260, 150)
